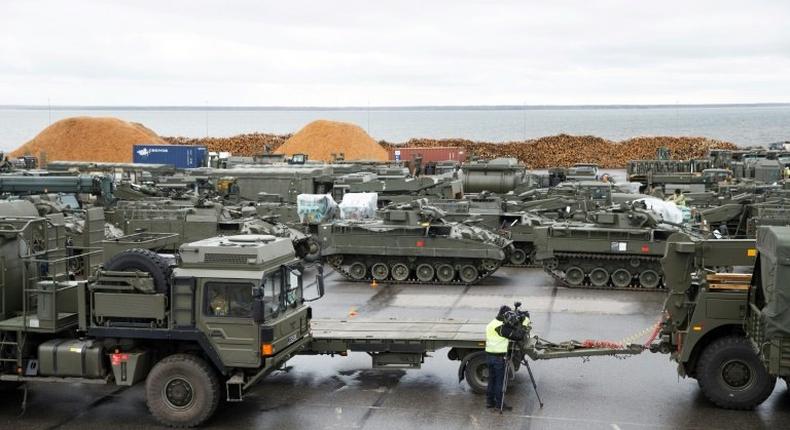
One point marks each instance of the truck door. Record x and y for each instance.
(227, 318)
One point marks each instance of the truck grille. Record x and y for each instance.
(225, 258)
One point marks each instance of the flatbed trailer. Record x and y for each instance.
(405, 345)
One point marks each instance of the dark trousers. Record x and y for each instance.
(496, 379)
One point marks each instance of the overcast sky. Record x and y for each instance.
(334, 53)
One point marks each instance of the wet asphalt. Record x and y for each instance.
(345, 393)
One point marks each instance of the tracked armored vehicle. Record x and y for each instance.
(489, 211)
(618, 248)
(412, 244)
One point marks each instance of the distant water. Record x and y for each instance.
(743, 125)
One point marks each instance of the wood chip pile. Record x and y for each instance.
(88, 139)
(320, 139)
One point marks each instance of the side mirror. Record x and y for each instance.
(257, 305)
(319, 282)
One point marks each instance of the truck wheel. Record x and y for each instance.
(731, 375)
(182, 391)
(313, 250)
(143, 260)
(476, 372)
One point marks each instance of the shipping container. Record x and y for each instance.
(432, 154)
(180, 156)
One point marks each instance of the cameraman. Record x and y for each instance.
(508, 325)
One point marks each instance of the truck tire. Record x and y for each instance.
(143, 260)
(731, 375)
(313, 250)
(476, 372)
(182, 391)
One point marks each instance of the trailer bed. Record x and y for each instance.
(394, 343)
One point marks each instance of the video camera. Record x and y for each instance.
(513, 323)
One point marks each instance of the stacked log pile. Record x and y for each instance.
(550, 151)
(564, 150)
(243, 144)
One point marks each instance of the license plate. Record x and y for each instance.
(292, 338)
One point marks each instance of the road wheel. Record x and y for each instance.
(599, 277)
(731, 375)
(445, 272)
(574, 276)
(357, 270)
(649, 279)
(400, 272)
(476, 372)
(468, 273)
(143, 260)
(425, 272)
(182, 391)
(518, 257)
(380, 271)
(622, 278)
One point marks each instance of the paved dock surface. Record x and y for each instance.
(345, 393)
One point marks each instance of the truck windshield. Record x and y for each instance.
(229, 299)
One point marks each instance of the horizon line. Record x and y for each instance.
(385, 108)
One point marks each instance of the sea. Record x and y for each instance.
(744, 125)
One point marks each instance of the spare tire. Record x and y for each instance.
(143, 260)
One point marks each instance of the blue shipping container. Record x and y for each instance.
(180, 156)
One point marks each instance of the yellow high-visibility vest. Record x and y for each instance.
(495, 344)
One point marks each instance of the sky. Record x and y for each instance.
(393, 53)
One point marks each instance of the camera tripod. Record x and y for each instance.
(510, 370)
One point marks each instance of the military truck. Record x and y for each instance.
(714, 324)
(767, 319)
(231, 312)
(412, 244)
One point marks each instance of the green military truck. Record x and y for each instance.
(730, 331)
(231, 312)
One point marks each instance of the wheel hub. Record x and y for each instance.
(178, 393)
(736, 374)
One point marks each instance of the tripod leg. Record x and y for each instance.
(534, 384)
(504, 383)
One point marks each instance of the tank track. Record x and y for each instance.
(559, 275)
(412, 279)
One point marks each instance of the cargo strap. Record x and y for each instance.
(55, 354)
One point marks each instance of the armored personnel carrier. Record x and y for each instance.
(203, 219)
(412, 244)
(489, 211)
(618, 248)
